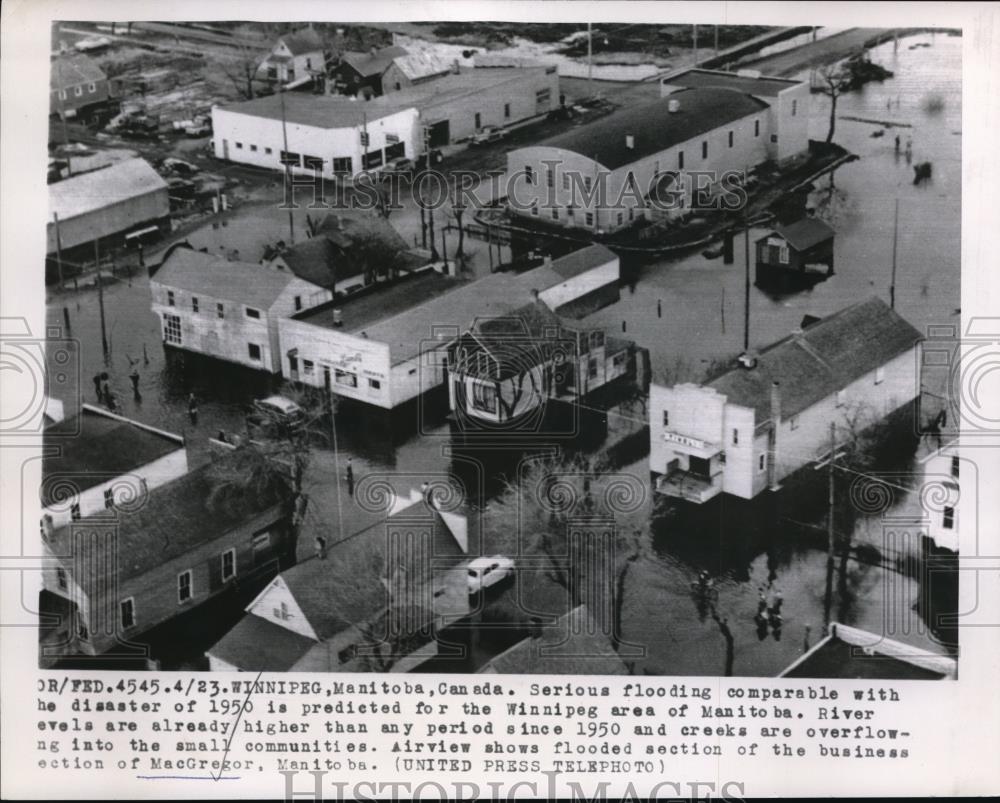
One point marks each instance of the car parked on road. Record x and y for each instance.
(274, 414)
(488, 571)
(487, 135)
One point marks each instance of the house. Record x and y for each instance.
(388, 344)
(795, 250)
(747, 429)
(227, 309)
(788, 101)
(572, 645)
(104, 204)
(342, 136)
(96, 460)
(941, 472)
(313, 616)
(143, 561)
(361, 74)
(295, 56)
(76, 83)
(855, 654)
(505, 368)
(338, 258)
(653, 159)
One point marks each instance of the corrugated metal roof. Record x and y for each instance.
(111, 185)
(824, 358)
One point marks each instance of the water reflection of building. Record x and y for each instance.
(749, 428)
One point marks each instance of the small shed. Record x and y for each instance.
(803, 248)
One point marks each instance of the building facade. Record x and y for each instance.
(942, 470)
(746, 430)
(75, 83)
(651, 160)
(294, 56)
(228, 310)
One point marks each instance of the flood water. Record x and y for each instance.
(701, 319)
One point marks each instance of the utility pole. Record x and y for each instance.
(100, 297)
(746, 288)
(828, 597)
(62, 116)
(55, 223)
(716, 40)
(590, 60)
(695, 36)
(288, 168)
(895, 242)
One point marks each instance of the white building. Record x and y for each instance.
(941, 470)
(601, 176)
(749, 428)
(226, 309)
(787, 98)
(388, 344)
(99, 459)
(294, 56)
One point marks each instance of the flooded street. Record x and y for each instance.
(700, 316)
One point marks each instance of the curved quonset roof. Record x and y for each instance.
(653, 127)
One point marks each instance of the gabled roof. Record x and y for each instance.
(304, 40)
(318, 260)
(242, 282)
(422, 65)
(523, 338)
(368, 64)
(105, 447)
(572, 645)
(257, 645)
(102, 188)
(805, 233)
(653, 127)
(582, 260)
(168, 522)
(822, 359)
(72, 69)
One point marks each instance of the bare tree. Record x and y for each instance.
(834, 81)
(242, 69)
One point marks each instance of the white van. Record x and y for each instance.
(485, 572)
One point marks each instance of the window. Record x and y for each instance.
(184, 589)
(62, 579)
(589, 218)
(680, 160)
(253, 149)
(343, 164)
(529, 174)
(948, 519)
(239, 146)
(228, 564)
(621, 218)
(307, 367)
(736, 437)
(506, 111)
(267, 151)
(253, 350)
(78, 91)
(534, 209)
(704, 149)
(756, 128)
(542, 97)
(879, 375)
(774, 138)
(550, 177)
(619, 359)
(793, 422)
(374, 384)
(783, 254)
(172, 328)
(795, 107)
(345, 378)
(74, 511)
(954, 466)
(253, 313)
(312, 162)
(127, 610)
(596, 339)
(484, 397)
(761, 462)
(261, 542)
(555, 214)
(587, 183)
(62, 94)
(666, 418)
(220, 311)
(293, 364)
(92, 87)
(281, 612)
(479, 120)
(298, 302)
(398, 86)
(290, 158)
(308, 63)
(565, 181)
(730, 139)
(592, 368)
(170, 298)
(194, 303)
(326, 377)
(109, 498)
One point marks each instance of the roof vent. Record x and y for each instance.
(673, 105)
(629, 141)
(748, 73)
(747, 360)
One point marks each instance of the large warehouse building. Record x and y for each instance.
(105, 202)
(344, 135)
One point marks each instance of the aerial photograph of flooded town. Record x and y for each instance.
(489, 347)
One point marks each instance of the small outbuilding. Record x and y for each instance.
(800, 249)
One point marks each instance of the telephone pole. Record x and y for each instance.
(895, 242)
(100, 297)
(746, 283)
(828, 597)
(590, 60)
(288, 168)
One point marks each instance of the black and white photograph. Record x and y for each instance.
(602, 347)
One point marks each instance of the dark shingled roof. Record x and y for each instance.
(572, 645)
(168, 522)
(765, 86)
(374, 63)
(106, 447)
(805, 233)
(653, 127)
(577, 262)
(257, 645)
(824, 358)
